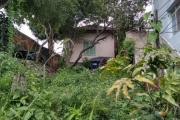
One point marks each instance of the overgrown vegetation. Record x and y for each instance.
(144, 92)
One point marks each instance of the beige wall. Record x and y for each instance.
(105, 48)
(140, 39)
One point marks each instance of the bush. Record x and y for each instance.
(86, 63)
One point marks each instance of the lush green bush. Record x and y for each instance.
(32, 103)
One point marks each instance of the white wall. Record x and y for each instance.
(165, 16)
(105, 48)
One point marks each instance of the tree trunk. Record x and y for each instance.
(69, 46)
(37, 54)
(3, 3)
(50, 47)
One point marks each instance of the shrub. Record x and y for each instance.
(86, 63)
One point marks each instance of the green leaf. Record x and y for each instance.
(142, 94)
(156, 26)
(66, 40)
(27, 116)
(71, 117)
(91, 115)
(129, 66)
(146, 16)
(168, 91)
(170, 99)
(152, 37)
(142, 79)
(16, 96)
(14, 111)
(33, 88)
(137, 70)
(22, 108)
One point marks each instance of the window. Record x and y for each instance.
(176, 19)
(91, 51)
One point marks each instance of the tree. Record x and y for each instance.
(3, 30)
(46, 16)
(122, 15)
(59, 18)
(3, 3)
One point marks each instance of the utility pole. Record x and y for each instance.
(157, 44)
(156, 31)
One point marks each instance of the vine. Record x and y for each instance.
(10, 28)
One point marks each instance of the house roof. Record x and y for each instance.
(94, 28)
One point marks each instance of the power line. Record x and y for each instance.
(168, 12)
(164, 15)
(164, 5)
(169, 32)
(168, 25)
(173, 26)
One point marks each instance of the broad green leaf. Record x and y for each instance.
(28, 115)
(170, 99)
(156, 26)
(152, 37)
(137, 70)
(168, 91)
(143, 79)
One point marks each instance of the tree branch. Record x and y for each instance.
(92, 45)
(4, 4)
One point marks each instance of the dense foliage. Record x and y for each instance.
(143, 91)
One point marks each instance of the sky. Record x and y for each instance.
(24, 28)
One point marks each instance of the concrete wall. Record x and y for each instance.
(165, 15)
(140, 39)
(104, 48)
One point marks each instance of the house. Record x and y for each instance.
(169, 15)
(140, 40)
(106, 48)
(24, 43)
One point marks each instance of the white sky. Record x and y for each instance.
(148, 8)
